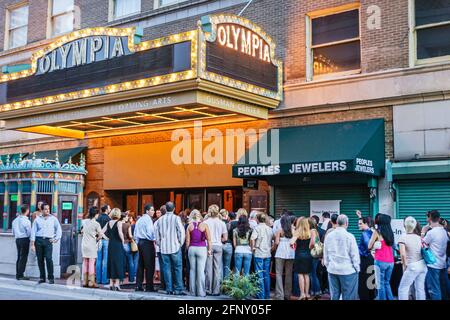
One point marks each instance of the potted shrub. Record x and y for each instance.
(240, 287)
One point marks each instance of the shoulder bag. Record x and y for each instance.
(317, 250)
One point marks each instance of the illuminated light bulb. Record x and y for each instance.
(128, 85)
(17, 105)
(156, 80)
(49, 99)
(7, 107)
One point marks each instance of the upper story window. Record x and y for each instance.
(62, 16)
(123, 8)
(163, 3)
(430, 28)
(334, 44)
(17, 27)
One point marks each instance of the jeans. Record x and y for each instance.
(172, 263)
(242, 260)
(132, 262)
(295, 285)
(262, 268)
(414, 273)
(102, 263)
(383, 273)
(436, 282)
(315, 284)
(345, 285)
(44, 251)
(227, 253)
(23, 247)
(214, 269)
(197, 261)
(283, 266)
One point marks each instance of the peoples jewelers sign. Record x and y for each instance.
(294, 168)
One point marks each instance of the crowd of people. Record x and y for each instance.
(192, 252)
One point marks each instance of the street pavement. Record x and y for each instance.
(31, 290)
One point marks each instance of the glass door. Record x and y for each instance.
(195, 201)
(214, 197)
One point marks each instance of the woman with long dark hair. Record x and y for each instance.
(241, 243)
(382, 241)
(284, 258)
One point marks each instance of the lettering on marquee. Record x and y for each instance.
(83, 51)
(244, 40)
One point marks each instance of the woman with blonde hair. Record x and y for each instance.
(113, 230)
(241, 212)
(303, 239)
(414, 267)
(198, 244)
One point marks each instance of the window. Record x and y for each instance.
(17, 27)
(123, 8)
(163, 3)
(430, 28)
(62, 17)
(334, 46)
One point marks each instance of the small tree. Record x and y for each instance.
(241, 287)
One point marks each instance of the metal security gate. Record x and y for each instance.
(297, 199)
(416, 197)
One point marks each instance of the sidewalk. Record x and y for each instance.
(77, 292)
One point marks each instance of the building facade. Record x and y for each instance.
(362, 115)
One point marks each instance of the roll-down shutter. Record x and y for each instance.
(297, 199)
(416, 197)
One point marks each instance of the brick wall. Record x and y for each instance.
(382, 49)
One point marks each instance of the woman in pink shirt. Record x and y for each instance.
(382, 241)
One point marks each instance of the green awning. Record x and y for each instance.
(355, 147)
(63, 154)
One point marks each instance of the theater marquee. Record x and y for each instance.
(224, 71)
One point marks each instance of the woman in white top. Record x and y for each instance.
(414, 267)
(284, 258)
(91, 231)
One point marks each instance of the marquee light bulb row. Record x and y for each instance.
(113, 88)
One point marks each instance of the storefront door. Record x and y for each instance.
(67, 215)
(12, 209)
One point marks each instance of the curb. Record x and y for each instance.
(86, 293)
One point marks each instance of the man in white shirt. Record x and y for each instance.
(21, 227)
(341, 257)
(144, 234)
(437, 238)
(214, 263)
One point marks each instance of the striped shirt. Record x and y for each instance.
(170, 233)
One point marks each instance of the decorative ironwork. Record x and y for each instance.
(43, 165)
